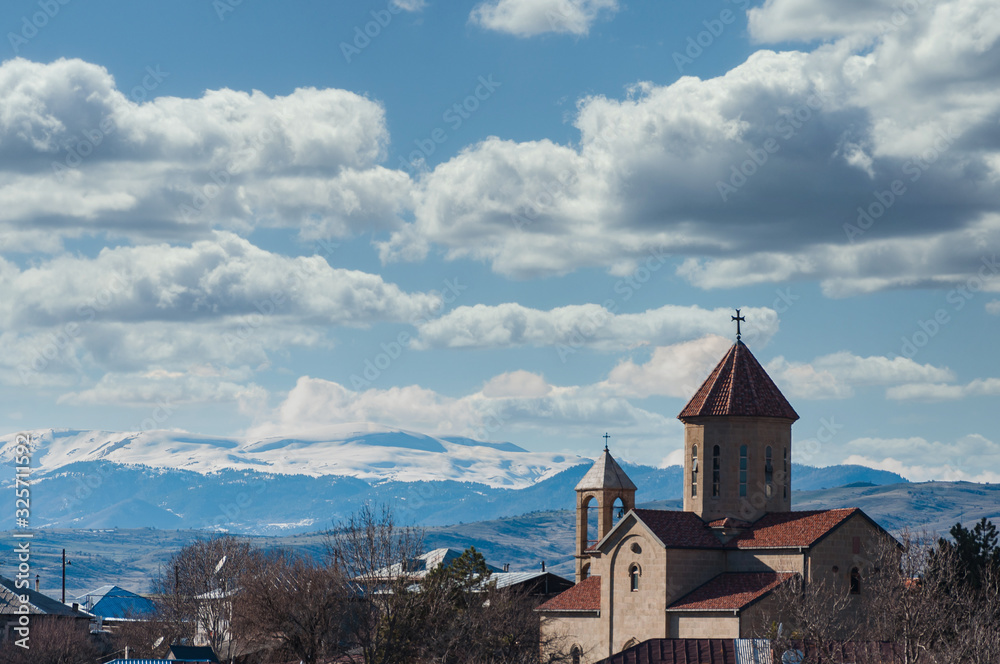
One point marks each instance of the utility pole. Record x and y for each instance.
(64, 563)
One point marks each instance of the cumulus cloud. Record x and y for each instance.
(221, 300)
(673, 371)
(586, 325)
(682, 168)
(83, 156)
(921, 460)
(806, 20)
(500, 410)
(528, 18)
(993, 307)
(944, 392)
(410, 5)
(836, 375)
(170, 389)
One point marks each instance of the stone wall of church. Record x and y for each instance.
(687, 569)
(747, 500)
(765, 561)
(852, 545)
(708, 625)
(638, 613)
(563, 631)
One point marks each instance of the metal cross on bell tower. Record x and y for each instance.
(738, 318)
(606, 436)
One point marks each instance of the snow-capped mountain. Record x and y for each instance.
(361, 450)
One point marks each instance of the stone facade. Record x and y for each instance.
(716, 576)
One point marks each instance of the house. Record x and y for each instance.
(41, 609)
(115, 604)
(708, 571)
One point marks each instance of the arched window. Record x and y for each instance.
(633, 575)
(768, 472)
(784, 489)
(575, 652)
(694, 470)
(716, 471)
(585, 571)
(855, 581)
(743, 470)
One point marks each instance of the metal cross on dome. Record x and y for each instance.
(738, 318)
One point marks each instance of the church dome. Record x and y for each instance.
(739, 386)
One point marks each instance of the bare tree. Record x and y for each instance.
(53, 641)
(809, 617)
(199, 587)
(377, 557)
(296, 605)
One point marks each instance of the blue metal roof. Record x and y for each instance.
(116, 602)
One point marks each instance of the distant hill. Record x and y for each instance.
(130, 557)
(281, 485)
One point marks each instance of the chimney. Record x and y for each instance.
(543, 565)
(38, 581)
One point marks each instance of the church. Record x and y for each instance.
(710, 570)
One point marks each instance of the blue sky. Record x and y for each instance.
(510, 219)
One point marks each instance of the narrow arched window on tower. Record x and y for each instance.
(784, 479)
(716, 471)
(694, 470)
(768, 473)
(743, 470)
(855, 581)
(633, 573)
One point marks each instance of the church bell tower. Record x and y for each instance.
(737, 441)
(604, 483)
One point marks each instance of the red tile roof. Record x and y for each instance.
(731, 591)
(791, 529)
(677, 651)
(739, 386)
(584, 596)
(679, 530)
(728, 522)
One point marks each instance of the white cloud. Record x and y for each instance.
(836, 375)
(527, 18)
(220, 300)
(943, 392)
(410, 5)
(586, 325)
(674, 371)
(518, 383)
(805, 20)
(171, 389)
(971, 458)
(88, 158)
(915, 104)
(495, 413)
(993, 307)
